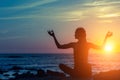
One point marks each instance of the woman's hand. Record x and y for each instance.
(51, 33)
(109, 34)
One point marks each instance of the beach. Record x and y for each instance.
(19, 64)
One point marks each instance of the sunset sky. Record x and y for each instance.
(24, 23)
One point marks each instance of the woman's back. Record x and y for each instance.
(80, 54)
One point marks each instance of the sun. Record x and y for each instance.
(108, 47)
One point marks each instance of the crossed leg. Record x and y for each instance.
(75, 73)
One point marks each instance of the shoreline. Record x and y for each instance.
(40, 74)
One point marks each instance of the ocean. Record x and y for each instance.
(50, 61)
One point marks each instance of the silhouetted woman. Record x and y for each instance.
(80, 48)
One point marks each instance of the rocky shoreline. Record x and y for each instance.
(109, 75)
(41, 75)
(54, 75)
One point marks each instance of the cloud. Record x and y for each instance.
(106, 21)
(109, 15)
(74, 13)
(60, 13)
(31, 5)
(102, 3)
(30, 17)
(16, 17)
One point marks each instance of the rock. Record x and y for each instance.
(41, 73)
(23, 76)
(110, 75)
(16, 68)
(53, 73)
(6, 74)
(31, 69)
(1, 71)
(15, 74)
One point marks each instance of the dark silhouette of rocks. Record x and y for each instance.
(6, 74)
(34, 69)
(109, 75)
(1, 71)
(41, 73)
(16, 68)
(53, 73)
(15, 74)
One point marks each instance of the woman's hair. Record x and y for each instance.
(81, 32)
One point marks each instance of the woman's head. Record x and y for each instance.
(80, 33)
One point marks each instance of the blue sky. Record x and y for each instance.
(24, 23)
